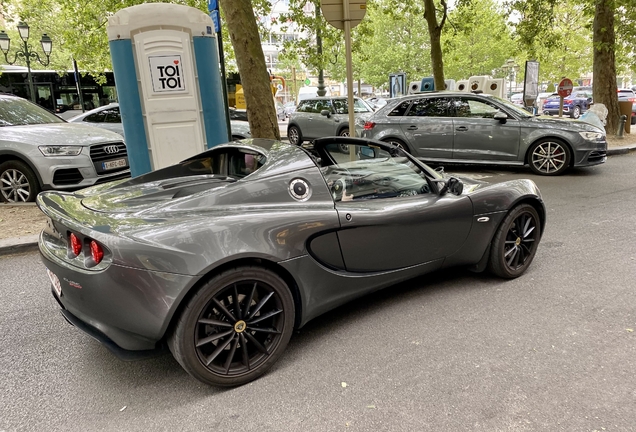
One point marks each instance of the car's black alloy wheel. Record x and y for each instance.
(235, 327)
(515, 242)
(18, 183)
(294, 135)
(549, 157)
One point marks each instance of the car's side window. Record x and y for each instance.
(303, 106)
(112, 116)
(400, 110)
(98, 117)
(340, 106)
(465, 107)
(430, 107)
(322, 105)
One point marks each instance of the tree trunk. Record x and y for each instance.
(435, 33)
(604, 69)
(241, 24)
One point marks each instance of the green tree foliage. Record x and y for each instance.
(477, 40)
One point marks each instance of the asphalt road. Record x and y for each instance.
(552, 350)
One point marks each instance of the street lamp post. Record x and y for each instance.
(510, 67)
(26, 52)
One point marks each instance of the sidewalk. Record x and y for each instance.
(30, 243)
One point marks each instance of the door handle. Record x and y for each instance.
(412, 127)
(336, 120)
(461, 128)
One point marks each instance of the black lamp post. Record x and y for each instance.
(25, 52)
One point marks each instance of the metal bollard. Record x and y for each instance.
(621, 127)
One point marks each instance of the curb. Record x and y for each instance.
(16, 245)
(620, 150)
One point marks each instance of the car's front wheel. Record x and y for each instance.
(549, 157)
(515, 242)
(235, 327)
(294, 135)
(576, 112)
(18, 182)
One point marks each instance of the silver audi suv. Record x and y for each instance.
(39, 151)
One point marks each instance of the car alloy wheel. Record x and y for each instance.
(576, 112)
(515, 243)
(17, 182)
(294, 136)
(344, 148)
(235, 327)
(549, 157)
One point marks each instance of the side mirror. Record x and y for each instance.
(325, 113)
(452, 185)
(367, 153)
(501, 116)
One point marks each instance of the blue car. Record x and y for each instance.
(574, 105)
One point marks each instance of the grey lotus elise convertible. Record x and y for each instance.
(223, 255)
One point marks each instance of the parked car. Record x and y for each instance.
(108, 117)
(39, 151)
(517, 99)
(459, 127)
(223, 255)
(289, 108)
(628, 95)
(574, 105)
(541, 97)
(325, 116)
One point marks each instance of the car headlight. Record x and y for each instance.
(592, 136)
(51, 150)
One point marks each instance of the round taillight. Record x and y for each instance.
(96, 252)
(76, 244)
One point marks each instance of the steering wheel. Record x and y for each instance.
(338, 189)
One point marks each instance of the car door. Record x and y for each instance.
(390, 215)
(478, 136)
(428, 128)
(320, 125)
(301, 117)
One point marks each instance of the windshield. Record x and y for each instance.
(19, 112)
(359, 106)
(512, 107)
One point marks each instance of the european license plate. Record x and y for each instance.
(117, 163)
(56, 282)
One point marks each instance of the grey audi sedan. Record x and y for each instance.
(460, 127)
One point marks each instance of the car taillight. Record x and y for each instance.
(567, 100)
(96, 252)
(368, 125)
(76, 244)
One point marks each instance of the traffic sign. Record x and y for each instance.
(333, 11)
(565, 87)
(307, 81)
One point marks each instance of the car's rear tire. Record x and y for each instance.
(398, 143)
(18, 183)
(515, 243)
(294, 135)
(549, 157)
(576, 112)
(235, 327)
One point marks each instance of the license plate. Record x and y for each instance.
(56, 282)
(117, 163)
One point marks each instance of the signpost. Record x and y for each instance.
(564, 90)
(344, 15)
